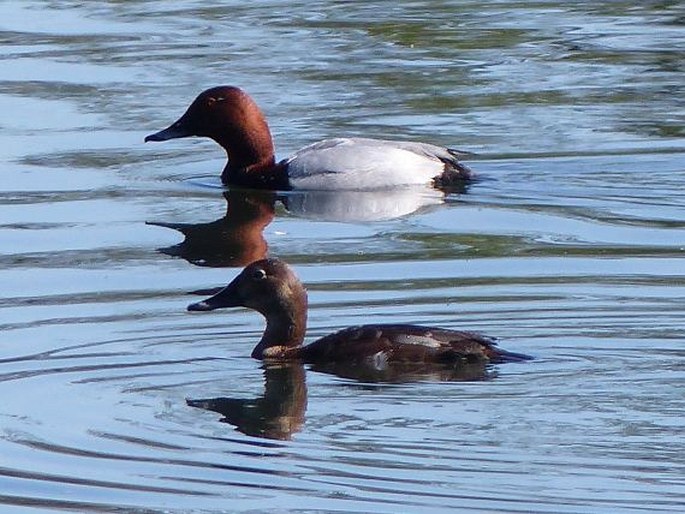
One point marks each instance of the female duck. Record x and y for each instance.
(270, 287)
(230, 117)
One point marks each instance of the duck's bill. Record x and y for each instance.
(227, 297)
(174, 131)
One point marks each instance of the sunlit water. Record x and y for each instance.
(570, 249)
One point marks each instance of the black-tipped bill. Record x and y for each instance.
(227, 297)
(201, 306)
(174, 131)
(506, 356)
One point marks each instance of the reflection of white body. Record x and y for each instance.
(361, 205)
(360, 163)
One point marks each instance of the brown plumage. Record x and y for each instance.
(272, 288)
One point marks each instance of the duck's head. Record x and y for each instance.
(268, 286)
(230, 117)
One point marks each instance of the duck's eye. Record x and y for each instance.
(259, 274)
(214, 99)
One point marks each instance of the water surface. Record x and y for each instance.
(570, 248)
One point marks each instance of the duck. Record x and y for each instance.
(271, 287)
(230, 117)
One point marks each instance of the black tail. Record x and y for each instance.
(455, 172)
(499, 356)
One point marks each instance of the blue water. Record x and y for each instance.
(570, 249)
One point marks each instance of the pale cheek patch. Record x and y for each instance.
(274, 352)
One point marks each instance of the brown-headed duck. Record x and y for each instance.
(230, 117)
(272, 288)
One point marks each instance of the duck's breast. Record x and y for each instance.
(359, 163)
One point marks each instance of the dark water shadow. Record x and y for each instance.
(367, 205)
(236, 239)
(405, 373)
(276, 414)
(279, 412)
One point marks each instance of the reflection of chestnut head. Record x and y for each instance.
(233, 240)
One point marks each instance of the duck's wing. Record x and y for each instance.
(385, 344)
(429, 150)
(457, 345)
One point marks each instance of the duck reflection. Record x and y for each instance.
(280, 412)
(277, 414)
(400, 373)
(360, 206)
(237, 238)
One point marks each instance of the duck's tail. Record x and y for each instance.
(455, 171)
(498, 356)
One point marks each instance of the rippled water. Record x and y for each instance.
(570, 248)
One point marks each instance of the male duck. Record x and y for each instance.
(230, 117)
(270, 287)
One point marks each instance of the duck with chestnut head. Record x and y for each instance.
(230, 117)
